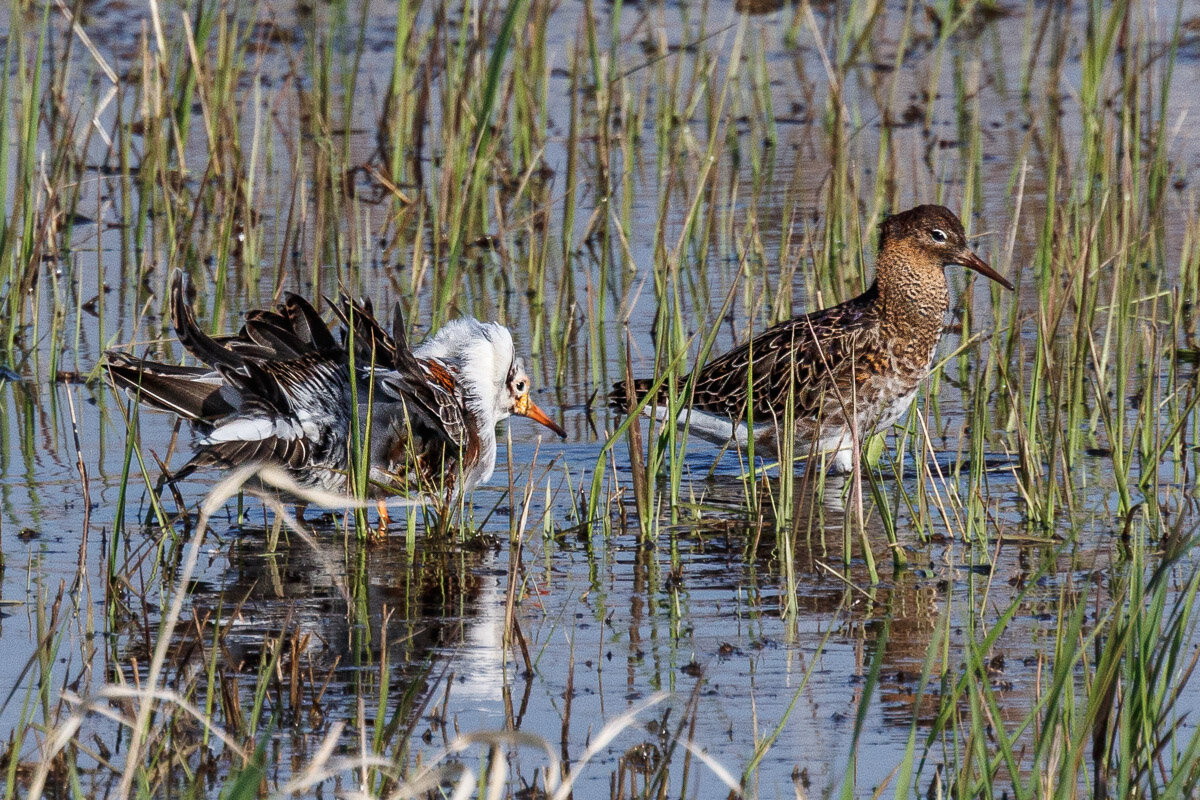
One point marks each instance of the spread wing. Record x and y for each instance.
(269, 339)
(292, 413)
(423, 388)
(279, 391)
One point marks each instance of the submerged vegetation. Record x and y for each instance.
(1000, 602)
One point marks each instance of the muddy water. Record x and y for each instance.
(748, 641)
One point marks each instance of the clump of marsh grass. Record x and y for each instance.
(380, 765)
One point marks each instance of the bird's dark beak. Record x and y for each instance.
(525, 407)
(967, 258)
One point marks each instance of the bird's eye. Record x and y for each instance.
(520, 387)
(938, 235)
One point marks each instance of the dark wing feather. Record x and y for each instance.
(203, 347)
(416, 401)
(307, 324)
(274, 341)
(293, 329)
(372, 344)
(402, 354)
(259, 384)
(191, 392)
(430, 402)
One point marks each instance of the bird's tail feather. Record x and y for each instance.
(176, 389)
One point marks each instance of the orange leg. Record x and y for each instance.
(384, 519)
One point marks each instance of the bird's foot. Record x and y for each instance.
(381, 530)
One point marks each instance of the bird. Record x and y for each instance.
(284, 391)
(843, 371)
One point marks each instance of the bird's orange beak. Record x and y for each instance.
(525, 407)
(967, 258)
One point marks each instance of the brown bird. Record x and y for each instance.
(847, 370)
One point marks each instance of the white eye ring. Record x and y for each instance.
(938, 235)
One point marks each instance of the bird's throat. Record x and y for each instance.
(912, 308)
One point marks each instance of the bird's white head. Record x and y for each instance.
(494, 380)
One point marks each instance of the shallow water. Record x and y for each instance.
(747, 640)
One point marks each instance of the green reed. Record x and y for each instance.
(1105, 729)
(20, 114)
